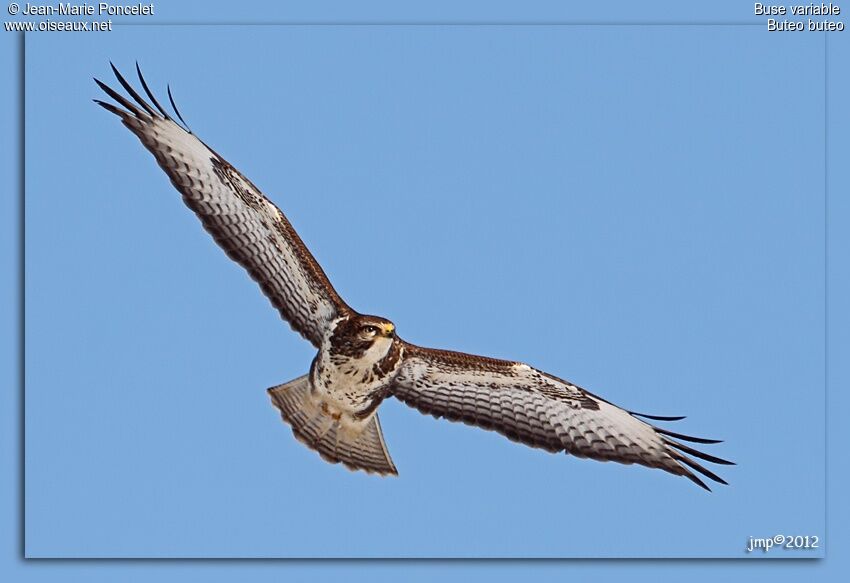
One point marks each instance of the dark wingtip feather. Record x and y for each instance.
(695, 479)
(149, 93)
(697, 453)
(129, 88)
(683, 459)
(111, 108)
(686, 437)
(119, 98)
(177, 111)
(656, 417)
(704, 471)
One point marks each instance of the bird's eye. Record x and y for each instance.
(370, 330)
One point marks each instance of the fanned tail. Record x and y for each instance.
(359, 445)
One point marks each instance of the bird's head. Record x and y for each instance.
(363, 336)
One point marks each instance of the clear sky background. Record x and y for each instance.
(639, 209)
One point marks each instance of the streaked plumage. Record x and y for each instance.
(360, 360)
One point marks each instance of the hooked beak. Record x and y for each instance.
(388, 330)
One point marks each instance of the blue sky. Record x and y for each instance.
(620, 206)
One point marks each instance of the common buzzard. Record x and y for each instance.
(361, 360)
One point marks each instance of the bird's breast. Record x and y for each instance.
(348, 384)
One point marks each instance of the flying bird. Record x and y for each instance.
(361, 359)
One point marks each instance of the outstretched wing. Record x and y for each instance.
(541, 410)
(247, 225)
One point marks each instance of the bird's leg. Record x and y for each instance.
(332, 420)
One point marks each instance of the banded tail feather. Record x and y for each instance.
(358, 446)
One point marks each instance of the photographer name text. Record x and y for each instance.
(86, 9)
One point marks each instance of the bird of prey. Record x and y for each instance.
(361, 360)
